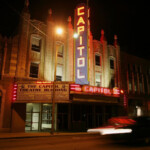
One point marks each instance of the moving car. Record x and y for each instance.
(126, 128)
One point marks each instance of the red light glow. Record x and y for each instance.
(94, 89)
(75, 87)
(121, 91)
(14, 97)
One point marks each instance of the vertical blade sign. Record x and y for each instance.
(81, 48)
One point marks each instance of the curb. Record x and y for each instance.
(37, 135)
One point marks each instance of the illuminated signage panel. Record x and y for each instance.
(81, 50)
(40, 92)
(95, 90)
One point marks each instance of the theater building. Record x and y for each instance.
(39, 67)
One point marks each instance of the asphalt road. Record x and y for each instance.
(74, 142)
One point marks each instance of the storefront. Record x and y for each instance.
(75, 108)
(32, 104)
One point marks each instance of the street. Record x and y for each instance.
(71, 142)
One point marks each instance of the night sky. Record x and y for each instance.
(128, 19)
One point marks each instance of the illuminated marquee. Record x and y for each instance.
(81, 51)
(40, 91)
(95, 90)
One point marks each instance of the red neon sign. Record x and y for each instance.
(94, 89)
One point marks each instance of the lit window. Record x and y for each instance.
(34, 68)
(59, 73)
(36, 44)
(111, 64)
(97, 79)
(97, 60)
(60, 51)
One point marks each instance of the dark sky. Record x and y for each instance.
(128, 19)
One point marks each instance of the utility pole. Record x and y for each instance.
(59, 32)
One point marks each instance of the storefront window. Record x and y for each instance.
(46, 116)
(32, 117)
(138, 111)
(38, 117)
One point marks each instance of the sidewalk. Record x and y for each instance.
(39, 134)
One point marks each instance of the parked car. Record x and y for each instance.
(126, 128)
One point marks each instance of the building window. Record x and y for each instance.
(112, 83)
(130, 79)
(135, 83)
(97, 60)
(60, 50)
(34, 69)
(111, 64)
(97, 79)
(36, 44)
(59, 73)
(141, 84)
(145, 84)
(139, 69)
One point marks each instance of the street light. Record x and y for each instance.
(59, 31)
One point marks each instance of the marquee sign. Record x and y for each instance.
(40, 92)
(81, 48)
(95, 90)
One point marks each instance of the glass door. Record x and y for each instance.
(46, 121)
(32, 117)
